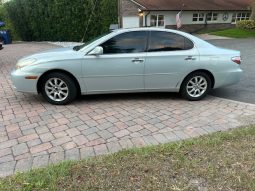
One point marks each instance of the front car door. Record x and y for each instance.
(120, 67)
(170, 56)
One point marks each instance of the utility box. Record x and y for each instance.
(113, 27)
(6, 36)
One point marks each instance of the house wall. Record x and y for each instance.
(129, 18)
(187, 16)
(128, 8)
(189, 25)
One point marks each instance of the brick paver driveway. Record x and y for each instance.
(34, 133)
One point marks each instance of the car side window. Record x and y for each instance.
(167, 41)
(129, 42)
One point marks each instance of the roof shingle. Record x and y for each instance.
(198, 5)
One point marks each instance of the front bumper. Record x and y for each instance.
(22, 84)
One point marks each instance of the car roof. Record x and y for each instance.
(154, 29)
(146, 29)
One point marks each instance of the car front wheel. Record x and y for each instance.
(58, 89)
(196, 86)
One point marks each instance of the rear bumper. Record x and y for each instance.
(228, 78)
(22, 84)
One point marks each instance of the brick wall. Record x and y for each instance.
(197, 27)
(128, 8)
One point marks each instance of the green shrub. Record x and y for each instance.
(247, 25)
(60, 20)
(9, 24)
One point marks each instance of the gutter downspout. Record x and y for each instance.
(119, 12)
(146, 18)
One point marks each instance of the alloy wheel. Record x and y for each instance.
(197, 86)
(56, 89)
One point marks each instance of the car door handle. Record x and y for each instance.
(138, 60)
(190, 58)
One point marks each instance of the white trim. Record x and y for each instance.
(241, 18)
(157, 20)
(212, 17)
(138, 4)
(198, 17)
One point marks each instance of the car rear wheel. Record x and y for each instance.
(58, 89)
(196, 86)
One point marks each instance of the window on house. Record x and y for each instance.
(234, 18)
(198, 17)
(153, 20)
(157, 20)
(240, 17)
(212, 17)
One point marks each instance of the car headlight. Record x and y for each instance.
(24, 63)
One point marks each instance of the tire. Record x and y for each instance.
(196, 86)
(58, 88)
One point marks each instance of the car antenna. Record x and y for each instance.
(93, 10)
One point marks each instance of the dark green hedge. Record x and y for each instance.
(60, 20)
(9, 25)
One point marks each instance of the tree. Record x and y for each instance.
(61, 20)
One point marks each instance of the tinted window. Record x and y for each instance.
(130, 42)
(166, 41)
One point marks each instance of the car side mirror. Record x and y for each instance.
(97, 51)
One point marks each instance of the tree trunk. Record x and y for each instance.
(253, 11)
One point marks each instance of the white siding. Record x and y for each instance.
(187, 16)
(131, 21)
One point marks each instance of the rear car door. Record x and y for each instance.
(169, 57)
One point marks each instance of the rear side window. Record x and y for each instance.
(188, 44)
(166, 41)
(129, 42)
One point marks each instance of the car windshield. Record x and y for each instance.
(79, 47)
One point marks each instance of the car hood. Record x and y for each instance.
(55, 55)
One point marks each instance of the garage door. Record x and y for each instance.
(130, 22)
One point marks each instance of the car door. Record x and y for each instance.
(120, 67)
(170, 56)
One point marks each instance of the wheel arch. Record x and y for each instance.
(203, 71)
(40, 80)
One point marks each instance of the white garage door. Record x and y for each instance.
(130, 22)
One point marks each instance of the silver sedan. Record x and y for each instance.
(129, 60)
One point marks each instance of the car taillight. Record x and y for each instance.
(237, 59)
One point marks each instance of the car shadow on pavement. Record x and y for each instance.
(130, 96)
(151, 96)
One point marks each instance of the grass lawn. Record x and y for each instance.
(222, 161)
(235, 33)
